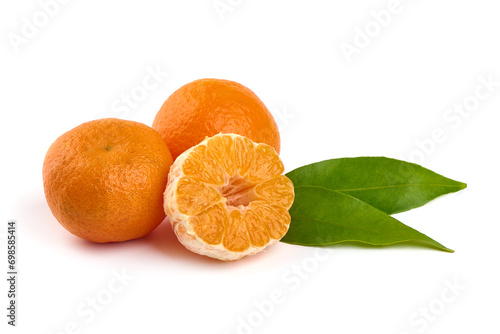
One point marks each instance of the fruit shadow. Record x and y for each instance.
(164, 240)
(161, 241)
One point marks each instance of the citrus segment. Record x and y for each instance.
(194, 196)
(222, 150)
(210, 224)
(202, 166)
(268, 166)
(259, 236)
(244, 154)
(226, 197)
(279, 190)
(235, 236)
(277, 217)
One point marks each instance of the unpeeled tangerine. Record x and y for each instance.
(226, 197)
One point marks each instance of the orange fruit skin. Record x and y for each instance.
(104, 180)
(206, 107)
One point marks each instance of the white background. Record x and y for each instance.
(393, 94)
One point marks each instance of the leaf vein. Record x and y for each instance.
(401, 185)
(334, 224)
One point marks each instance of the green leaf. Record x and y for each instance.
(387, 184)
(323, 217)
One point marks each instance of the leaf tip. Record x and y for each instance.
(448, 250)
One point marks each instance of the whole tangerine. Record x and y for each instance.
(206, 107)
(104, 180)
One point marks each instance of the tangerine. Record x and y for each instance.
(206, 107)
(104, 180)
(226, 197)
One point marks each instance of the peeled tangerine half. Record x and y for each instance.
(226, 197)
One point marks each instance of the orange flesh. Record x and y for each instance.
(234, 193)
